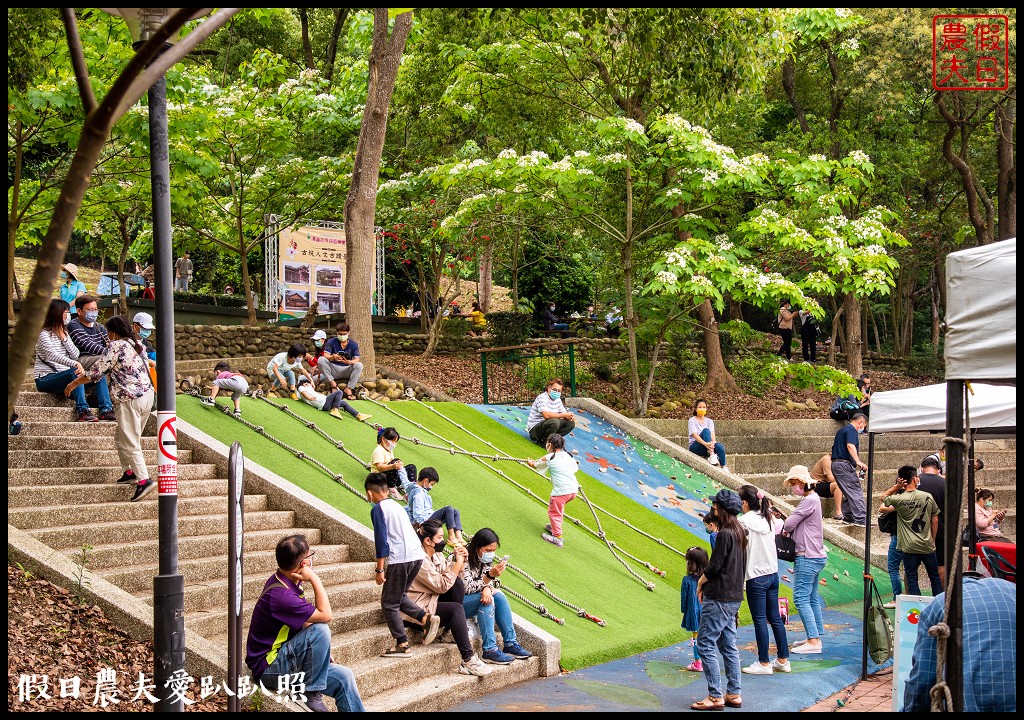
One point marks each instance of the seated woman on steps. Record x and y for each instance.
(438, 589)
(701, 430)
(56, 361)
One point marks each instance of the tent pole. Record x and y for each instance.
(867, 561)
(954, 479)
(972, 529)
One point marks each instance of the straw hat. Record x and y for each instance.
(799, 472)
(71, 269)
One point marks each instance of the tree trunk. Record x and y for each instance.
(719, 378)
(736, 310)
(627, 272)
(960, 162)
(332, 46)
(250, 302)
(854, 346)
(307, 47)
(361, 203)
(12, 221)
(1006, 119)
(486, 277)
(834, 336)
(126, 243)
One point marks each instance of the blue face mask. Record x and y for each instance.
(487, 558)
(555, 394)
(92, 316)
(63, 276)
(144, 333)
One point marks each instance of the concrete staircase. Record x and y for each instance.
(763, 451)
(62, 491)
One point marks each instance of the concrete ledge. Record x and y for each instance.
(730, 480)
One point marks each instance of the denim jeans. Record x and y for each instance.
(486, 616)
(718, 629)
(911, 563)
(56, 383)
(809, 604)
(763, 600)
(697, 449)
(310, 652)
(893, 561)
(289, 375)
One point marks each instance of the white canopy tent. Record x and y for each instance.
(993, 408)
(981, 313)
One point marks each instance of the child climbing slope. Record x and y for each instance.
(689, 603)
(561, 468)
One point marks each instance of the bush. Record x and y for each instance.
(691, 366)
(823, 378)
(231, 301)
(454, 328)
(927, 364)
(603, 372)
(736, 334)
(758, 374)
(544, 367)
(509, 328)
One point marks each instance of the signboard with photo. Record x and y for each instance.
(311, 259)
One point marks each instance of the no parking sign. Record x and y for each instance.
(167, 453)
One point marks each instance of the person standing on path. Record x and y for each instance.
(845, 464)
(917, 523)
(806, 528)
(808, 336)
(182, 273)
(720, 591)
(785, 321)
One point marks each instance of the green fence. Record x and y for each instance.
(518, 374)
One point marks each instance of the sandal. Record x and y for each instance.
(708, 704)
(734, 701)
(349, 395)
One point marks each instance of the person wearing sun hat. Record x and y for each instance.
(806, 528)
(72, 287)
(720, 591)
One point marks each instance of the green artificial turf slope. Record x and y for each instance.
(584, 572)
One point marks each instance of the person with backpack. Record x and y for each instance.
(808, 336)
(785, 323)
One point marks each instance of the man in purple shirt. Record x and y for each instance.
(288, 634)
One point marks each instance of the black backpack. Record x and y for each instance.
(843, 408)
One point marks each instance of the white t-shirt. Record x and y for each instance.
(281, 361)
(696, 425)
(561, 468)
(402, 541)
(311, 396)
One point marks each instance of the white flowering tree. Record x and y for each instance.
(244, 155)
(825, 221)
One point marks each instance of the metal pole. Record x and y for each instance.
(972, 529)
(236, 524)
(954, 593)
(867, 562)
(168, 585)
(572, 371)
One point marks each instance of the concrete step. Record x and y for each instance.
(342, 591)
(441, 692)
(75, 536)
(213, 621)
(142, 551)
(377, 675)
(884, 460)
(99, 441)
(64, 476)
(79, 458)
(33, 428)
(914, 446)
(33, 398)
(50, 495)
(32, 414)
(259, 563)
(101, 512)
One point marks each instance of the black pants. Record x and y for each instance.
(453, 617)
(787, 343)
(397, 478)
(539, 433)
(809, 345)
(394, 599)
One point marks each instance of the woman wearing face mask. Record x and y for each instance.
(702, 435)
(384, 461)
(143, 326)
(548, 415)
(124, 363)
(986, 519)
(806, 528)
(438, 589)
(488, 604)
(551, 321)
(56, 360)
(71, 287)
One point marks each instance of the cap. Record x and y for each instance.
(319, 335)
(71, 269)
(728, 501)
(145, 320)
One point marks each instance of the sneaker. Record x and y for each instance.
(713, 459)
(128, 478)
(556, 541)
(294, 396)
(363, 417)
(854, 523)
(756, 668)
(517, 651)
(497, 657)
(315, 702)
(335, 412)
(398, 651)
(806, 649)
(271, 394)
(725, 468)
(237, 414)
(891, 605)
(431, 624)
(695, 666)
(85, 416)
(474, 666)
(547, 529)
(781, 666)
(107, 416)
(208, 401)
(394, 494)
(144, 488)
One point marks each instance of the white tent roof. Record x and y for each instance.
(923, 409)
(981, 313)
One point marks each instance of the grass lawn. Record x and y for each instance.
(584, 572)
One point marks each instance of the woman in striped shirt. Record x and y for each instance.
(56, 360)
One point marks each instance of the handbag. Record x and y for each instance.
(879, 628)
(785, 548)
(887, 522)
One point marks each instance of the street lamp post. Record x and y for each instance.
(168, 585)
